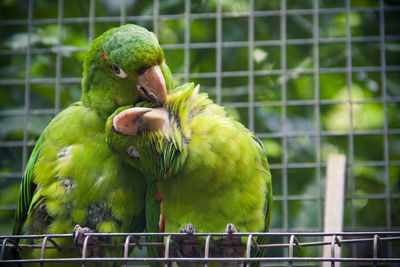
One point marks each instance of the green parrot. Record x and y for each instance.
(72, 177)
(205, 171)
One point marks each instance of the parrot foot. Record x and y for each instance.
(185, 246)
(232, 246)
(79, 238)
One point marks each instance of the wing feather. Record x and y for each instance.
(268, 206)
(27, 189)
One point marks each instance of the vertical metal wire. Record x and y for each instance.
(375, 248)
(283, 118)
(317, 109)
(126, 249)
(4, 244)
(248, 249)
(333, 242)
(384, 103)
(207, 250)
(27, 86)
(166, 251)
(292, 241)
(156, 12)
(59, 57)
(84, 249)
(187, 40)
(351, 130)
(251, 66)
(385, 121)
(92, 10)
(218, 81)
(350, 102)
(123, 12)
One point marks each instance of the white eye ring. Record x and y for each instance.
(118, 71)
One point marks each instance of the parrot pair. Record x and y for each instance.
(204, 171)
(72, 177)
(189, 164)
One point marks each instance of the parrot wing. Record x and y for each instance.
(153, 213)
(27, 189)
(268, 204)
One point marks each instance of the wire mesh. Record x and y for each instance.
(297, 241)
(318, 137)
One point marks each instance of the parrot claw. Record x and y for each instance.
(231, 229)
(185, 246)
(79, 238)
(188, 229)
(232, 245)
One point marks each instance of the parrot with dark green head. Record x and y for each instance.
(72, 177)
(207, 171)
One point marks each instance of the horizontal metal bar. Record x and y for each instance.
(291, 197)
(361, 39)
(346, 238)
(269, 245)
(311, 102)
(37, 51)
(326, 133)
(283, 234)
(11, 143)
(274, 135)
(200, 15)
(289, 72)
(8, 207)
(74, 20)
(261, 259)
(17, 112)
(225, 74)
(11, 175)
(316, 197)
(303, 165)
(54, 50)
(322, 243)
(347, 228)
(40, 81)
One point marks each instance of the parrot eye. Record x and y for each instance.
(118, 71)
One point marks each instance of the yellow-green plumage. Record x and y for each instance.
(211, 170)
(72, 176)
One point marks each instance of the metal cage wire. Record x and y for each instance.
(374, 239)
(284, 72)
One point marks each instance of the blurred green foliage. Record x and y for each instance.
(365, 108)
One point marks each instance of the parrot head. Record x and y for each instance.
(155, 139)
(124, 65)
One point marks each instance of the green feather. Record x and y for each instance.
(152, 210)
(26, 189)
(72, 176)
(211, 169)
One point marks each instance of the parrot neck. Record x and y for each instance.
(87, 102)
(94, 94)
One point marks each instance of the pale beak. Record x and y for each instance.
(133, 121)
(151, 85)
